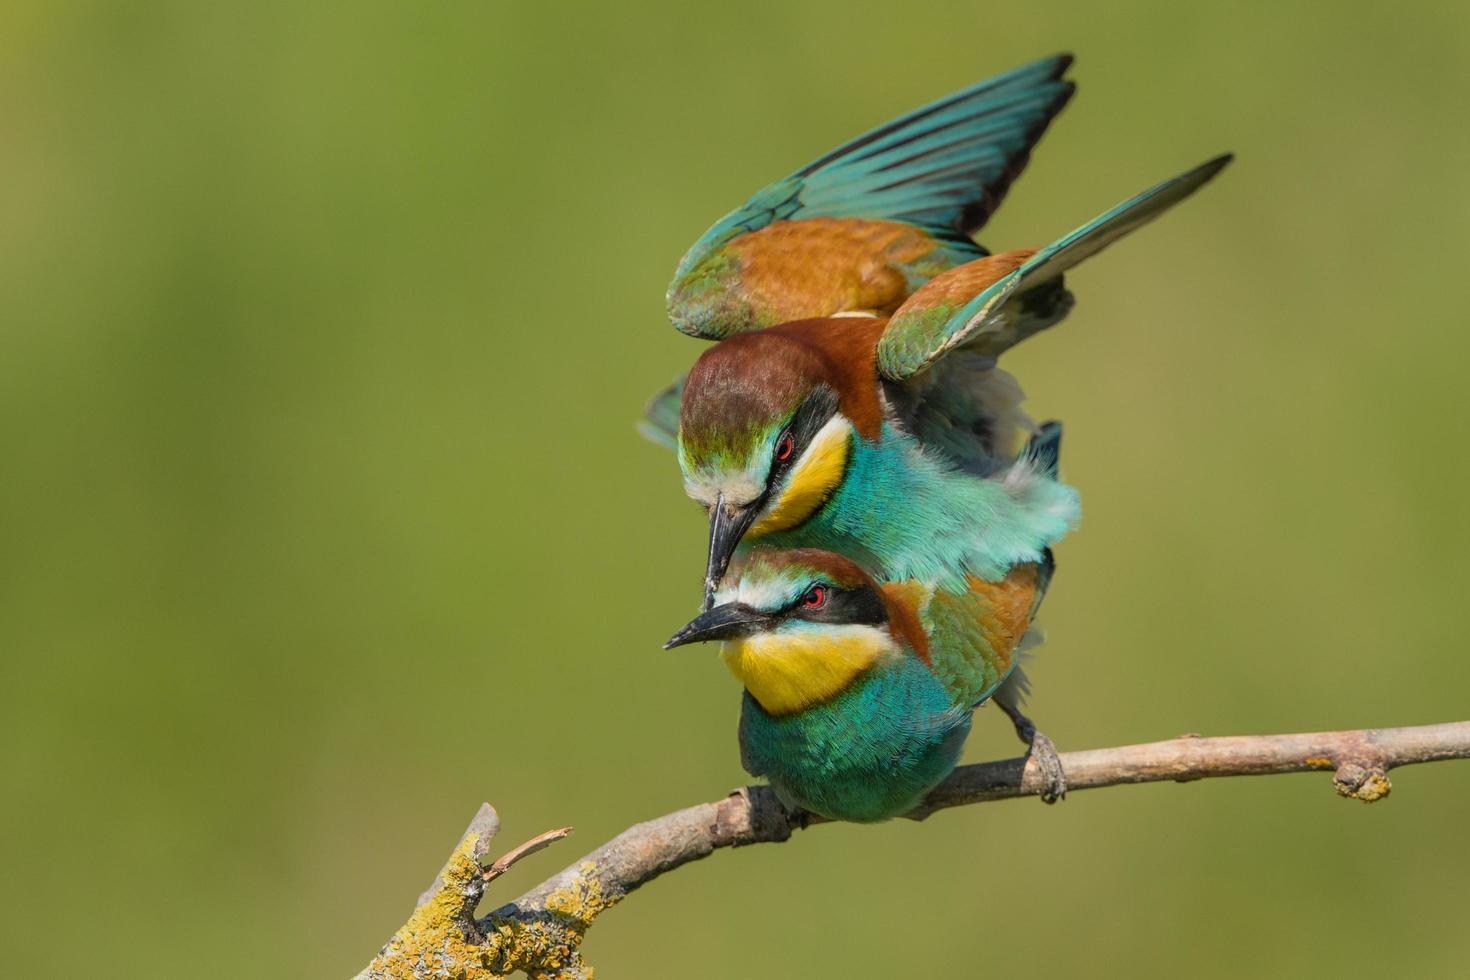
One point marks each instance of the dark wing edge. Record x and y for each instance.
(946, 166)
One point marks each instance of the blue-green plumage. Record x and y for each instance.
(868, 754)
(916, 515)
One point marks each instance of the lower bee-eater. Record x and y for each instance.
(858, 694)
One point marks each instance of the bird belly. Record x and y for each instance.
(870, 754)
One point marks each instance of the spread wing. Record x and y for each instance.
(861, 227)
(986, 308)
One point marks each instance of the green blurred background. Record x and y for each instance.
(322, 334)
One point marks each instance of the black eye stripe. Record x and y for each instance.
(814, 412)
(861, 606)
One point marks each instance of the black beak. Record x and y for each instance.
(720, 623)
(727, 525)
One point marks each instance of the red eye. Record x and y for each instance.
(815, 598)
(785, 447)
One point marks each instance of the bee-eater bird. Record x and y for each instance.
(891, 440)
(858, 695)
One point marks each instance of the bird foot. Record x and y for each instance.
(1053, 779)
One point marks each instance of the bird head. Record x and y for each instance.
(766, 426)
(799, 626)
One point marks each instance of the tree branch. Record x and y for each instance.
(540, 932)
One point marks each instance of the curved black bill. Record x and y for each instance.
(727, 525)
(720, 623)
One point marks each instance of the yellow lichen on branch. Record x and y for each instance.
(440, 939)
(547, 946)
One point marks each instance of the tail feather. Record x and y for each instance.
(1045, 449)
(1014, 690)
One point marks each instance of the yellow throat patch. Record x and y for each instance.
(791, 671)
(817, 474)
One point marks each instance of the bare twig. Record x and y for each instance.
(540, 932)
(507, 860)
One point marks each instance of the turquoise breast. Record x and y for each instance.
(869, 754)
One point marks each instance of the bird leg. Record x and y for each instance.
(1053, 780)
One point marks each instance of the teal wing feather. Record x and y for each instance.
(1030, 298)
(660, 422)
(943, 168)
(864, 226)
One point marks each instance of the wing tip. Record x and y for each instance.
(1186, 184)
(975, 215)
(1052, 66)
(1207, 170)
(1062, 60)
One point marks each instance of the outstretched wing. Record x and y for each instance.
(861, 227)
(985, 308)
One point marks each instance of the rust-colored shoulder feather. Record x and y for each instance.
(974, 635)
(1009, 605)
(797, 270)
(955, 287)
(902, 599)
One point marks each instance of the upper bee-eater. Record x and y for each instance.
(863, 226)
(891, 439)
(858, 694)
